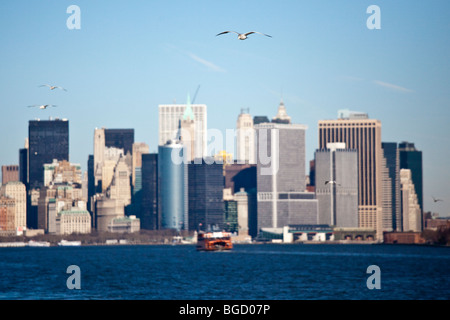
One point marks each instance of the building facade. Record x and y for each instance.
(338, 202)
(172, 177)
(206, 207)
(411, 158)
(48, 140)
(245, 139)
(10, 173)
(391, 187)
(281, 180)
(364, 135)
(16, 190)
(170, 117)
(149, 209)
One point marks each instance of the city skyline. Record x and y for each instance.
(118, 68)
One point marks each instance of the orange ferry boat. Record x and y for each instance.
(214, 241)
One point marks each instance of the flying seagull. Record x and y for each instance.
(243, 36)
(332, 182)
(436, 200)
(44, 106)
(52, 87)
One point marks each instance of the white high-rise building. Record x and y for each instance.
(411, 212)
(170, 118)
(245, 139)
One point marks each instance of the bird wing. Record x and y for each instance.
(257, 32)
(226, 32)
(32, 106)
(61, 88)
(45, 85)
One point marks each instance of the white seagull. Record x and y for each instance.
(52, 87)
(44, 106)
(332, 182)
(243, 36)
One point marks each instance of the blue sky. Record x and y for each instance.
(130, 56)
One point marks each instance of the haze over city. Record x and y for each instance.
(127, 58)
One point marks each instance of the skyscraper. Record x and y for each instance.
(120, 139)
(411, 213)
(411, 158)
(245, 139)
(281, 183)
(16, 190)
(187, 132)
(206, 207)
(170, 117)
(391, 203)
(48, 140)
(362, 134)
(172, 176)
(148, 212)
(338, 202)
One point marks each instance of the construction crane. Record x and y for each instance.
(195, 95)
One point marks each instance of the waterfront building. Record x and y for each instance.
(281, 183)
(127, 224)
(338, 202)
(73, 221)
(7, 214)
(106, 210)
(172, 177)
(16, 190)
(360, 133)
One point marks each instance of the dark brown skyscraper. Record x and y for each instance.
(364, 135)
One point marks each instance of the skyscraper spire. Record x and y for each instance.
(282, 116)
(188, 113)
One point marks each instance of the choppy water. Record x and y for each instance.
(248, 272)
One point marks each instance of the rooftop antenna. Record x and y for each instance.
(195, 95)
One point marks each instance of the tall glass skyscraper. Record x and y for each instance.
(206, 207)
(48, 140)
(148, 210)
(120, 138)
(172, 174)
